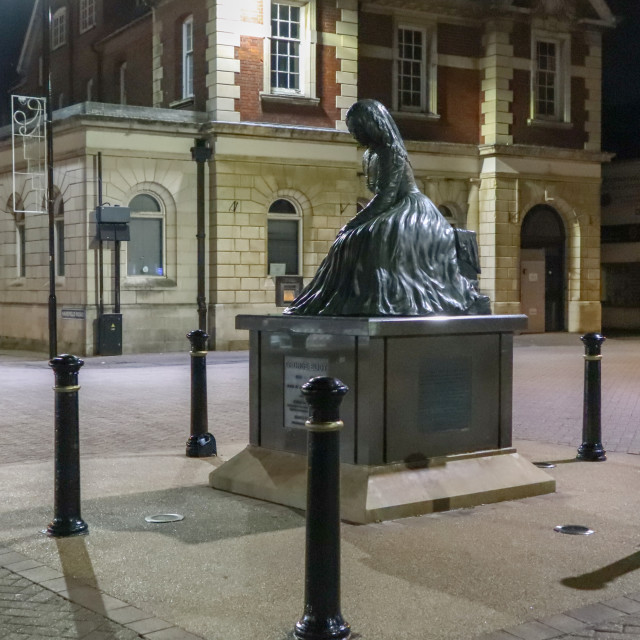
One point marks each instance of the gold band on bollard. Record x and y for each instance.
(335, 425)
(69, 389)
(592, 357)
(198, 353)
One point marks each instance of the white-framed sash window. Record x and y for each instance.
(59, 28)
(550, 77)
(187, 58)
(290, 48)
(87, 15)
(415, 69)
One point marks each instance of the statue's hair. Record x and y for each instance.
(377, 122)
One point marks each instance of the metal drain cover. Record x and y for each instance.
(164, 517)
(573, 529)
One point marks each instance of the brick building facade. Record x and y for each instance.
(499, 104)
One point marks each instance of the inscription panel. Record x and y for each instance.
(297, 371)
(443, 397)
(444, 394)
(288, 360)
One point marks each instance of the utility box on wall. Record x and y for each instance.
(110, 334)
(113, 223)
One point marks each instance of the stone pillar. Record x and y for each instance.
(593, 84)
(156, 61)
(499, 244)
(347, 54)
(473, 205)
(497, 96)
(223, 35)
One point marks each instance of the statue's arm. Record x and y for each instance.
(390, 172)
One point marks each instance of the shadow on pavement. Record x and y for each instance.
(209, 516)
(601, 577)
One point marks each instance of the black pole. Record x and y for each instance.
(322, 619)
(46, 74)
(200, 443)
(116, 306)
(201, 153)
(591, 448)
(66, 520)
(100, 245)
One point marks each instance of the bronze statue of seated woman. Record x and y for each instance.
(396, 257)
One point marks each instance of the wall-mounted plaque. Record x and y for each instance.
(287, 289)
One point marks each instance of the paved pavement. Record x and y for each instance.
(232, 570)
(548, 390)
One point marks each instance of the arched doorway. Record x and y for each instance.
(542, 269)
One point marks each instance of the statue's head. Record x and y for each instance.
(371, 125)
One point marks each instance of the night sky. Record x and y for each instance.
(621, 81)
(14, 19)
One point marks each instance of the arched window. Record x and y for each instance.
(58, 235)
(145, 249)
(187, 58)
(283, 238)
(449, 215)
(361, 203)
(15, 206)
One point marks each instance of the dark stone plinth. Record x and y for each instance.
(427, 421)
(420, 387)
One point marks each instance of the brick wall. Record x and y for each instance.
(172, 15)
(375, 29)
(458, 40)
(250, 78)
(579, 49)
(573, 136)
(251, 83)
(132, 46)
(521, 40)
(328, 15)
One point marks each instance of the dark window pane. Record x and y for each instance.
(144, 249)
(144, 202)
(282, 206)
(282, 244)
(59, 247)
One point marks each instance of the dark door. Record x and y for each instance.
(542, 228)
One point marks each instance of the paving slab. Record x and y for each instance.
(233, 568)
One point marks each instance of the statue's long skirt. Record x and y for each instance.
(400, 263)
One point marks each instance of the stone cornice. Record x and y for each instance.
(556, 153)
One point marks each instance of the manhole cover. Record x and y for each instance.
(573, 529)
(164, 517)
(545, 465)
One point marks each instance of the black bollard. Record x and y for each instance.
(591, 448)
(66, 520)
(322, 619)
(200, 443)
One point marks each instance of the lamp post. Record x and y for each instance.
(46, 76)
(201, 153)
